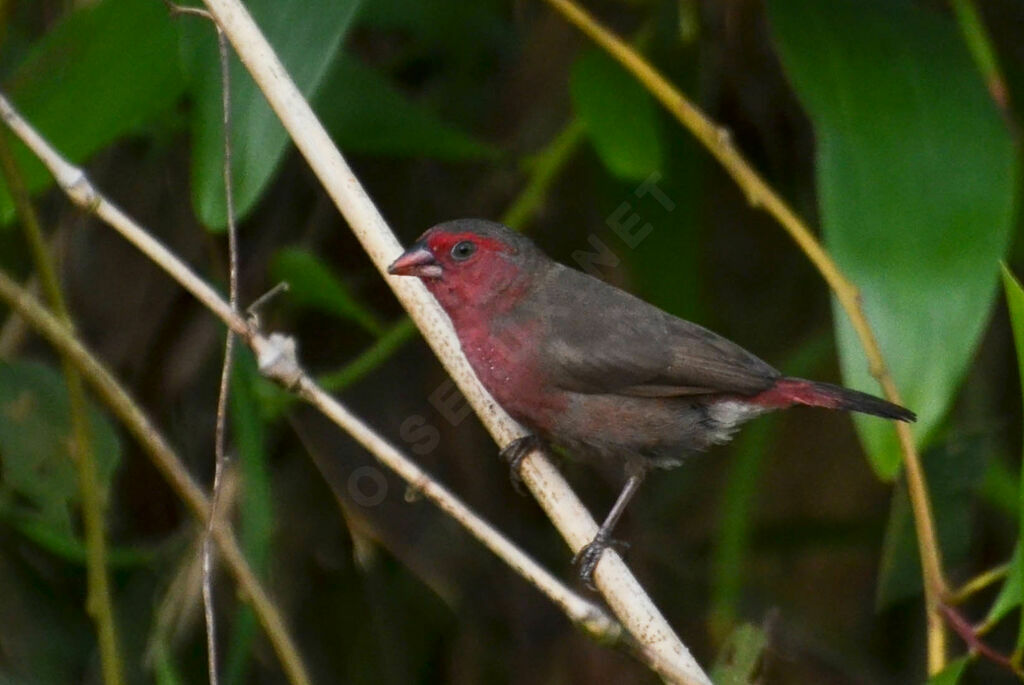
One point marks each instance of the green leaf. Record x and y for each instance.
(35, 435)
(732, 540)
(165, 669)
(1015, 303)
(665, 266)
(1011, 593)
(312, 284)
(450, 25)
(64, 545)
(105, 71)
(1000, 488)
(40, 623)
(256, 507)
(619, 114)
(953, 469)
(952, 673)
(916, 179)
(356, 369)
(365, 113)
(739, 661)
(306, 36)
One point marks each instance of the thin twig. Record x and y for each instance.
(759, 194)
(166, 461)
(977, 584)
(175, 9)
(976, 645)
(984, 55)
(623, 592)
(99, 603)
(544, 168)
(14, 330)
(220, 451)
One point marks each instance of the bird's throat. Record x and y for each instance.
(479, 294)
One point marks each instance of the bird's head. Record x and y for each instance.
(471, 262)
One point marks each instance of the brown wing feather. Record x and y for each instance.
(599, 339)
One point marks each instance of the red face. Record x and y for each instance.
(440, 254)
(464, 270)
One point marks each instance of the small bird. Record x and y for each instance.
(593, 369)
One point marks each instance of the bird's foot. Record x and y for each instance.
(588, 556)
(514, 453)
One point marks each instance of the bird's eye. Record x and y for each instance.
(464, 250)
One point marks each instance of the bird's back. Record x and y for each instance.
(598, 338)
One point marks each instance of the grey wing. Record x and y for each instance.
(603, 340)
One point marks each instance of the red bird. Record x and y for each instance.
(591, 368)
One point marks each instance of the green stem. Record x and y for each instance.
(72, 549)
(98, 602)
(392, 339)
(739, 497)
(978, 583)
(980, 46)
(545, 168)
(732, 537)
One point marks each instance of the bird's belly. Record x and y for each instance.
(661, 430)
(617, 427)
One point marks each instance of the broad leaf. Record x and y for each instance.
(1011, 593)
(104, 71)
(619, 114)
(916, 179)
(952, 673)
(364, 112)
(954, 469)
(739, 661)
(35, 436)
(451, 25)
(256, 508)
(1015, 303)
(312, 284)
(306, 35)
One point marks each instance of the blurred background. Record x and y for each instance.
(892, 127)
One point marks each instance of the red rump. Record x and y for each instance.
(789, 391)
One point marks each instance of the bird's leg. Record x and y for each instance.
(515, 452)
(588, 556)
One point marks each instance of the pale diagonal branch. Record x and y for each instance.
(621, 589)
(276, 357)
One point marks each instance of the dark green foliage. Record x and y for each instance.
(916, 176)
(869, 116)
(90, 81)
(40, 486)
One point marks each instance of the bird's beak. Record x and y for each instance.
(417, 261)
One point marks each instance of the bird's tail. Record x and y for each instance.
(789, 391)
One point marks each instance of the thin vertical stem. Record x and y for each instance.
(99, 603)
(980, 46)
(225, 376)
(760, 194)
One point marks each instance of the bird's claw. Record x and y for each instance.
(514, 453)
(586, 559)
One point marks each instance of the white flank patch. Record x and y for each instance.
(729, 415)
